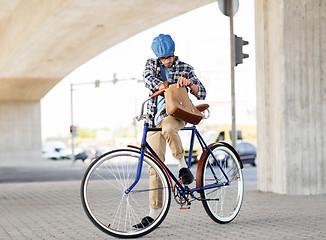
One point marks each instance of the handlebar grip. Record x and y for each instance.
(159, 92)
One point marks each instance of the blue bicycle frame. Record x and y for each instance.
(183, 190)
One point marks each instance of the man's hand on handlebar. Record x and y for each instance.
(164, 85)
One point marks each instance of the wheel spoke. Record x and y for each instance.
(228, 197)
(104, 198)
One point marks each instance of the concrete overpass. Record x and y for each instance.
(43, 41)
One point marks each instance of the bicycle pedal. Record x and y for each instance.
(184, 207)
(180, 181)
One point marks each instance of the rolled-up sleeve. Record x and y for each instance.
(201, 95)
(149, 76)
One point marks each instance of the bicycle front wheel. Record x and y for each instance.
(222, 203)
(108, 206)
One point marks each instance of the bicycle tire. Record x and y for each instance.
(223, 203)
(104, 199)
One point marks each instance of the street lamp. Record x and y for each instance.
(97, 83)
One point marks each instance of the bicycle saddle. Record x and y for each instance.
(202, 107)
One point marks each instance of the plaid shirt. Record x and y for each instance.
(153, 80)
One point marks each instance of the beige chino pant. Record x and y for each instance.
(157, 140)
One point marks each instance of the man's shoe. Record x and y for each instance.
(145, 222)
(186, 175)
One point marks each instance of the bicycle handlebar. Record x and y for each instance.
(154, 95)
(142, 116)
(159, 92)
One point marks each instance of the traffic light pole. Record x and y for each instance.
(72, 125)
(229, 8)
(96, 84)
(232, 44)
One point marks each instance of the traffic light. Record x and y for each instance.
(73, 130)
(115, 78)
(97, 83)
(238, 53)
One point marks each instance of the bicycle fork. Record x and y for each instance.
(140, 162)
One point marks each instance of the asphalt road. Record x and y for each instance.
(65, 170)
(46, 171)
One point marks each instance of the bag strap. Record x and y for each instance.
(163, 76)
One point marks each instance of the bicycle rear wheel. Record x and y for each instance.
(222, 203)
(105, 201)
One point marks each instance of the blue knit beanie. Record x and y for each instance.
(163, 45)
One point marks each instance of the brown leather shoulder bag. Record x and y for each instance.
(179, 105)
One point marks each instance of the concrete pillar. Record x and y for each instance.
(291, 95)
(20, 128)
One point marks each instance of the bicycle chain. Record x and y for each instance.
(181, 199)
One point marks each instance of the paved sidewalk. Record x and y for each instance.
(52, 210)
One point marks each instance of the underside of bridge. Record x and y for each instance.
(43, 41)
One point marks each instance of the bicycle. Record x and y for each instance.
(115, 188)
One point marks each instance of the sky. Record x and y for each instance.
(202, 39)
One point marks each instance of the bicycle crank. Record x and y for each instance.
(181, 199)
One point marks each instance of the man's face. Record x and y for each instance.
(168, 60)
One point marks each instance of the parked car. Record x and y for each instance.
(247, 152)
(54, 150)
(208, 136)
(95, 153)
(88, 154)
(194, 158)
(81, 156)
